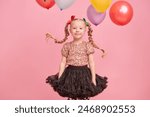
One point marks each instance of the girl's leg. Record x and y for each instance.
(72, 99)
(87, 98)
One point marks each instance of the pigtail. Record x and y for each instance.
(66, 32)
(91, 39)
(60, 41)
(66, 35)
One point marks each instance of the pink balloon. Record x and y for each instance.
(95, 17)
(46, 3)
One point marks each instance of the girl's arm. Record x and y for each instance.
(92, 68)
(62, 66)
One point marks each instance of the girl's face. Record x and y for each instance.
(77, 29)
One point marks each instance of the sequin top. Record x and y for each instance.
(77, 54)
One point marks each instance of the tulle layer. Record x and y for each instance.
(76, 83)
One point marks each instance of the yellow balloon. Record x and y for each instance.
(100, 5)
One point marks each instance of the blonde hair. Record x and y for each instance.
(66, 36)
(89, 34)
(91, 39)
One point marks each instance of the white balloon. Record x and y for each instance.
(63, 4)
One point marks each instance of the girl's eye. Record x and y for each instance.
(80, 28)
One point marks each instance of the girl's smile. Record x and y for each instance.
(77, 29)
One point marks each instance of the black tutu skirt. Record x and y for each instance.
(76, 83)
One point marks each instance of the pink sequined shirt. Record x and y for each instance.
(77, 54)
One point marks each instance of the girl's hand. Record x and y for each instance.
(94, 82)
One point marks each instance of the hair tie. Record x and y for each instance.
(72, 18)
(87, 24)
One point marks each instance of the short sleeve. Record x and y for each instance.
(65, 50)
(90, 48)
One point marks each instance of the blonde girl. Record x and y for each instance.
(76, 78)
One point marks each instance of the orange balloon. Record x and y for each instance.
(121, 13)
(46, 3)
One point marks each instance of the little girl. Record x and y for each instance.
(77, 78)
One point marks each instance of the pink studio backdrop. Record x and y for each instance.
(26, 59)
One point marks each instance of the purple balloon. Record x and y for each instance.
(94, 16)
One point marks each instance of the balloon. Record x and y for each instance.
(121, 12)
(100, 5)
(63, 4)
(46, 3)
(95, 17)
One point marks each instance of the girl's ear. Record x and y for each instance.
(69, 29)
(86, 28)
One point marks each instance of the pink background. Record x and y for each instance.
(26, 59)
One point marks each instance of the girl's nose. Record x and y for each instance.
(77, 29)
